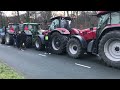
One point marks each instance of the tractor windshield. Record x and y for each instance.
(102, 20)
(54, 24)
(110, 18)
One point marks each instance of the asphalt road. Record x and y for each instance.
(37, 65)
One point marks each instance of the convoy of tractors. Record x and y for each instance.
(103, 40)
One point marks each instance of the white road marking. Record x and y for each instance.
(42, 55)
(8, 46)
(82, 65)
(22, 50)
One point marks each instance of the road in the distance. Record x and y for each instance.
(36, 65)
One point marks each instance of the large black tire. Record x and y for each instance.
(8, 39)
(62, 43)
(74, 48)
(2, 40)
(109, 49)
(38, 44)
(28, 41)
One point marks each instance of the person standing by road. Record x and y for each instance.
(18, 39)
(23, 37)
(47, 44)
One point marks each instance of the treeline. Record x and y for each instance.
(80, 19)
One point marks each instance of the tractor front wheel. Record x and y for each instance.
(74, 48)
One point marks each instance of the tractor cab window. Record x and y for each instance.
(65, 23)
(1, 30)
(115, 18)
(36, 27)
(103, 19)
(13, 27)
(26, 27)
(21, 26)
(54, 25)
(30, 27)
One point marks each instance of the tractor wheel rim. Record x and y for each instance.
(112, 49)
(37, 44)
(56, 43)
(73, 48)
(7, 39)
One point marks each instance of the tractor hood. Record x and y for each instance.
(41, 31)
(88, 33)
(45, 32)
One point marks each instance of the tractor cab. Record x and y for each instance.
(60, 22)
(30, 28)
(12, 27)
(107, 19)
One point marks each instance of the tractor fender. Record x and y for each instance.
(103, 32)
(61, 31)
(81, 39)
(41, 37)
(109, 28)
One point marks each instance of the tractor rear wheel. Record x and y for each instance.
(38, 44)
(58, 43)
(28, 41)
(109, 49)
(74, 48)
(8, 39)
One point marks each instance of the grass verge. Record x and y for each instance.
(7, 72)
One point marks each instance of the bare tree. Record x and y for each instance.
(18, 17)
(27, 16)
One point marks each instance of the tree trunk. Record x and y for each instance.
(28, 16)
(68, 13)
(18, 17)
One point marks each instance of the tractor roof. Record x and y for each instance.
(103, 12)
(58, 17)
(13, 24)
(32, 23)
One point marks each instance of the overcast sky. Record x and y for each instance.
(9, 13)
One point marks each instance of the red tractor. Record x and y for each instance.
(59, 29)
(106, 43)
(62, 34)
